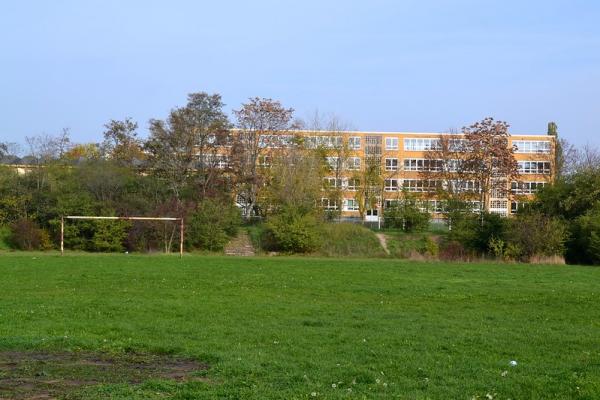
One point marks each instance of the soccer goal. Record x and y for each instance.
(80, 217)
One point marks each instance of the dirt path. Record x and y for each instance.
(383, 242)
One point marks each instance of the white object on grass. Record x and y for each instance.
(513, 363)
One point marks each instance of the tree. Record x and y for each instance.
(212, 224)
(183, 149)
(368, 194)
(261, 122)
(489, 159)
(3, 150)
(445, 164)
(44, 149)
(406, 215)
(294, 179)
(121, 143)
(292, 231)
(533, 234)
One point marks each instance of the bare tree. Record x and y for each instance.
(585, 158)
(449, 179)
(44, 149)
(489, 160)
(294, 176)
(263, 124)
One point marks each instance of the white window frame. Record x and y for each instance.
(347, 207)
(391, 166)
(354, 142)
(392, 185)
(353, 163)
(391, 143)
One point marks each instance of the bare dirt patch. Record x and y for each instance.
(47, 375)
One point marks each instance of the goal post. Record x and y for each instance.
(85, 217)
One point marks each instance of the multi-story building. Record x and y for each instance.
(406, 165)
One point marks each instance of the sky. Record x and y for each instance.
(421, 66)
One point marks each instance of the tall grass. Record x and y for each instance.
(346, 239)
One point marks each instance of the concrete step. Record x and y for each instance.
(240, 246)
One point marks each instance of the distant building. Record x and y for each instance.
(403, 158)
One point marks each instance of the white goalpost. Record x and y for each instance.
(62, 226)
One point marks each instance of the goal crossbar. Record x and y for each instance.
(88, 217)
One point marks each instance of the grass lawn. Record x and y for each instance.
(293, 328)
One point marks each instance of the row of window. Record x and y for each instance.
(526, 187)
(328, 142)
(436, 206)
(420, 185)
(332, 204)
(534, 167)
(275, 141)
(429, 185)
(422, 164)
(532, 146)
(351, 184)
(392, 143)
(352, 163)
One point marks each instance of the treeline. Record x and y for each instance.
(195, 166)
(192, 165)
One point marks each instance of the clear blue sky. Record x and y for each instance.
(380, 65)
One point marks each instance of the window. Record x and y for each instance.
(329, 204)
(274, 141)
(352, 184)
(526, 187)
(458, 145)
(516, 206)
(328, 142)
(354, 143)
(532, 146)
(459, 186)
(331, 183)
(421, 164)
(422, 144)
(391, 203)
(391, 143)
(391, 185)
(264, 161)
(214, 161)
(334, 162)
(502, 204)
(353, 163)
(534, 167)
(421, 185)
(350, 205)
(499, 207)
(391, 164)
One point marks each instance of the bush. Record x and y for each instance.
(406, 216)
(5, 234)
(584, 246)
(26, 235)
(534, 234)
(211, 225)
(109, 236)
(475, 232)
(292, 231)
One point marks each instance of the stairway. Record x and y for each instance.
(240, 246)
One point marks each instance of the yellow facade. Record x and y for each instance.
(401, 153)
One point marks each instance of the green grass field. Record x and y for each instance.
(294, 328)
